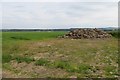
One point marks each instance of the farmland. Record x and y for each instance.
(42, 54)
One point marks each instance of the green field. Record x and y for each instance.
(43, 54)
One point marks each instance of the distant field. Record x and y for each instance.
(31, 35)
(42, 54)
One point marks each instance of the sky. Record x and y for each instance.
(59, 0)
(60, 15)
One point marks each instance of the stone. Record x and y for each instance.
(86, 33)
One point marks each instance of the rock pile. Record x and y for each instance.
(86, 34)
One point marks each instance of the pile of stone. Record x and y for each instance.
(86, 34)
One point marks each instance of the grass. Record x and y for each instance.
(23, 59)
(41, 62)
(84, 68)
(6, 58)
(12, 41)
(13, 36)
(19, 38)
(60, 57)
(64, 65)
(110, 70)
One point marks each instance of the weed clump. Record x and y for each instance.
(23, 59)
(65, 65)
(110, 70)
(84, 68)
(6, 58)
(62, 64)
(42, 62)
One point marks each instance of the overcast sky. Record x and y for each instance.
(59, 0)
(44, 15)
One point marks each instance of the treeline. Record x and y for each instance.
(115, 34)
(6, 30)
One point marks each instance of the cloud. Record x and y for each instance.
(60, 0)
(59, 15)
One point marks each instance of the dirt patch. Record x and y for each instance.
(8, 74)
(23, 69)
